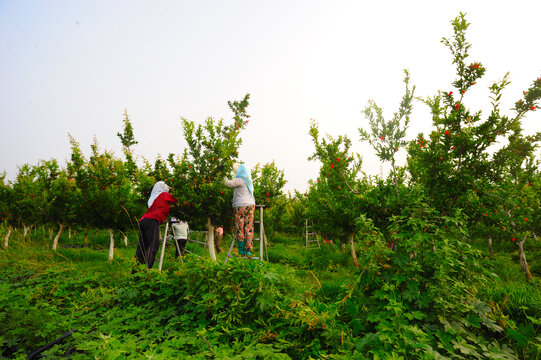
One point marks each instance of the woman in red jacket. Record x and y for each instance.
(149, 224)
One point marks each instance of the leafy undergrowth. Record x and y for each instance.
(446, 303)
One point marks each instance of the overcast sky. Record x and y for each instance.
(74, 66)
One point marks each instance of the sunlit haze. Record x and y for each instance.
(75, 66)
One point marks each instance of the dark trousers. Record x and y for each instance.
(149, 241)
(181, 244)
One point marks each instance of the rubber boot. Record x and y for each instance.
(248, 253)
(241, 246)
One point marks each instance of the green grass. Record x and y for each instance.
(296, 306)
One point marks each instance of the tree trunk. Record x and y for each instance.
(395, 180)
(520, 249)
(25, 231)
(111, 245)
(265, 244)
(266, 240)
(69, 232)
(55, 241)
(51, 233)
(490, 246)
(6, 239)
(125, 240)
(210, 231)
(86, 236)
(523, 262)
(353, 253)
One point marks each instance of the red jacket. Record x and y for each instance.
(160, 208)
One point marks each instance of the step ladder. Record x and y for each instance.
(261, 239)
(198, 239)
(312, 241)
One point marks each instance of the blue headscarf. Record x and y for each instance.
(244, 173)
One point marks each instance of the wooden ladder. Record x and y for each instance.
(312, 241)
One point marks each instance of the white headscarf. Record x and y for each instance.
(158, 188)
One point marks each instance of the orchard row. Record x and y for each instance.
(472, 176)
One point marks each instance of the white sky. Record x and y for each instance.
(74, 66)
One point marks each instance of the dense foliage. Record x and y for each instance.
(417, 282)
(299, 305)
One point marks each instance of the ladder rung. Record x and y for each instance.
(244, 257)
